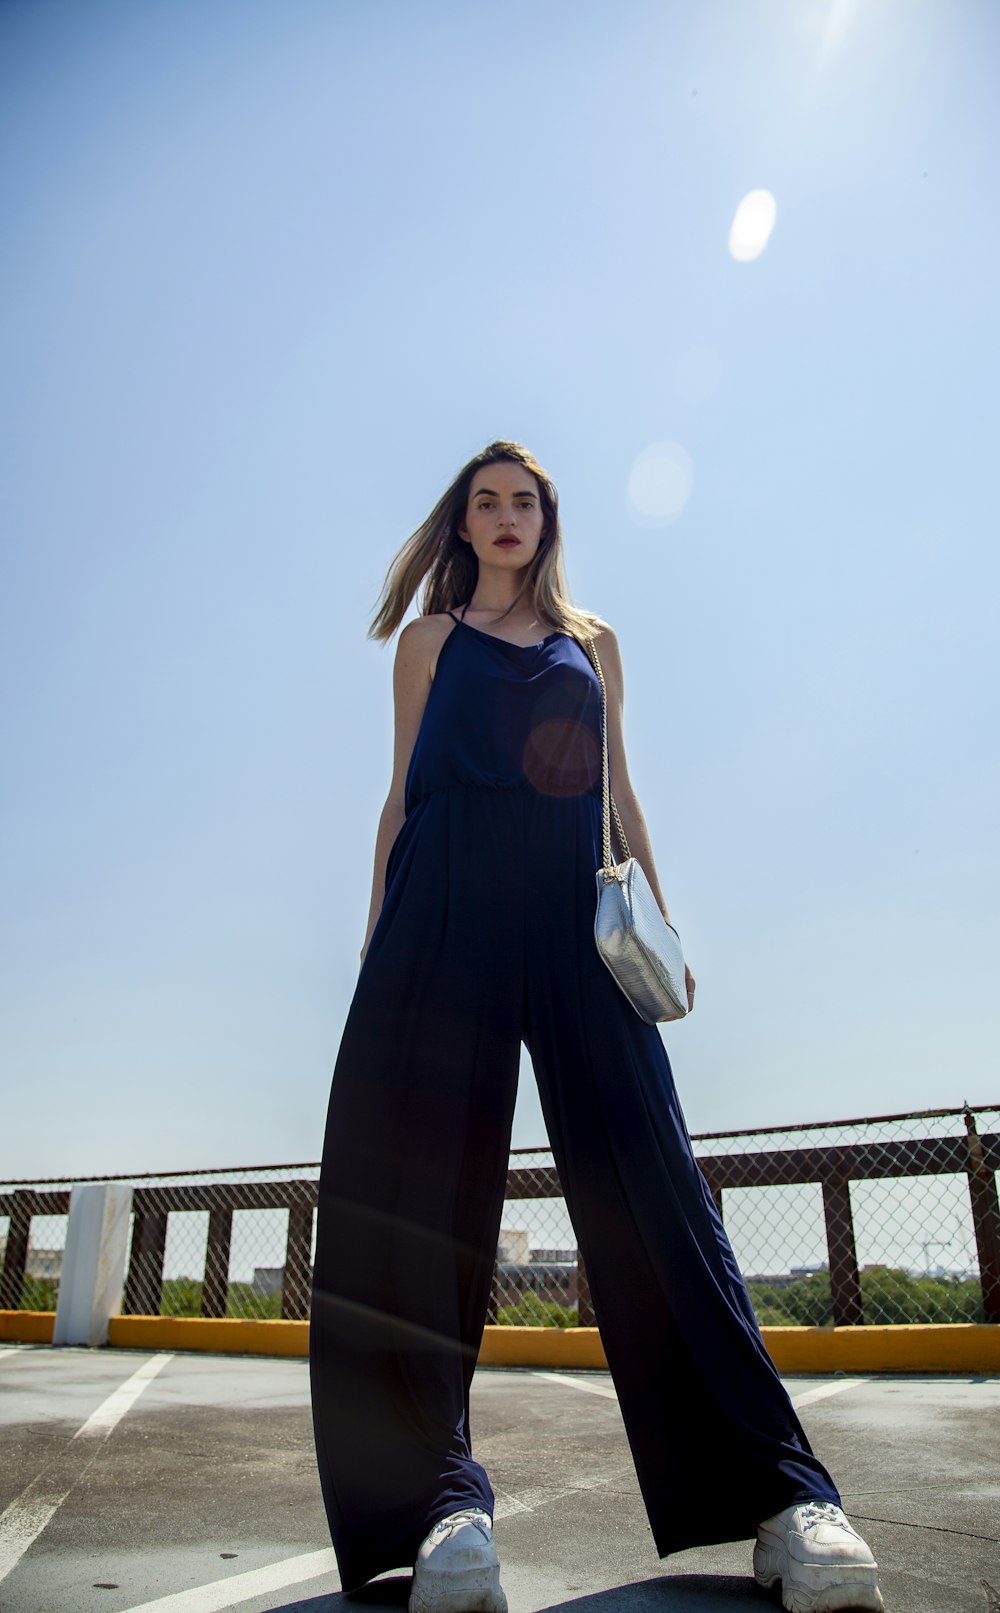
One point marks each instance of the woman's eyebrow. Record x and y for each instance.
(494, 494)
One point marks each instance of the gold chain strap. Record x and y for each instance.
(608, 868)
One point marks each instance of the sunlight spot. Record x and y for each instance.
(659, 484)
(562, 757)
(752, 225)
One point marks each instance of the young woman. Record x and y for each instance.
(481, 935)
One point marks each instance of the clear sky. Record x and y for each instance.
(271, 273)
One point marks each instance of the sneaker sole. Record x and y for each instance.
(479, 1592)
(850, 1587)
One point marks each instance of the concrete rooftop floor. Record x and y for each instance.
(186, 1483)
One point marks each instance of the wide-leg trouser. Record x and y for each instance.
(486, 938)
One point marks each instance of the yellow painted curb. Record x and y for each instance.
(542, 1347)
(27, 1327)
(900, 1347)
(228, 1335)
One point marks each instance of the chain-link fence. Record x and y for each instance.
(888, 1219)
(884, 1220)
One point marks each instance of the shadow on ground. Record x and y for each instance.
(681, 1593)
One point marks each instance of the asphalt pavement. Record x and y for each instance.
(170, 1482)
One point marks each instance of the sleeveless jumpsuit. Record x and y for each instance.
(486, 938)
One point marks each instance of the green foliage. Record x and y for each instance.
(182, 1297)
(39, 1294)
(532, 1311)
(243, 1301)
(889, 1295)
(805, 1303)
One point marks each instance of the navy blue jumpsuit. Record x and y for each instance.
(486, 938)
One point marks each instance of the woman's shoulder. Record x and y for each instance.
(429, 629)
(420, 642)
(606, 645)
(603, 632)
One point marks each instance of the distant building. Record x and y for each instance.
(41, 1263)
(555, 1284)
(512, 1247)
(268, 1279)
(783, 1279)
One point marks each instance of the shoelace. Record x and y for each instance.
(467, 1515)
(814, 1512)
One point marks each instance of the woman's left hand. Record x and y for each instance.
(689, 983)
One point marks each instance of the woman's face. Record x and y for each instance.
(504, 502)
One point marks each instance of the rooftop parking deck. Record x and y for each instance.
(186, 1483)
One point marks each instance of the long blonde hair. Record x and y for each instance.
(437, 553)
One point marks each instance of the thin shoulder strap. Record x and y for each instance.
(455, 618)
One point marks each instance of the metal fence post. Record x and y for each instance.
(295, 1287)
(215, 1288)
(16, 1255)
(985, 1219)
(144, 1284)
(845, 1285)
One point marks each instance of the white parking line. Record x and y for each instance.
(27, 1515)
(224, 1593)
(806, 1398)
(577, 1383)
(110, 1411)
(821, 1391)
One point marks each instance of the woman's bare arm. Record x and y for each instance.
(626, 800)
(411, 682)
(629, 810)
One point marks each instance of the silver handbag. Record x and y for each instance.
(640, 947)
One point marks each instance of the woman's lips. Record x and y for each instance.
(513, 542)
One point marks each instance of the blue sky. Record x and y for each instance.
(271, 273)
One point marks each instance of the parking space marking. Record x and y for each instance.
(110, 1411)
(223, 1593)
(27, 1515)
(822, 1390)
(505, 1503)
(577, 1383)
(806, 1398)
(509, 1505)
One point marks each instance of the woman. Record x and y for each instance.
(481, 935)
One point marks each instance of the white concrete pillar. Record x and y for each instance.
(93, 1274)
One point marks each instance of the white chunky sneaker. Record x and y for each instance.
(457, 1568)
(821, 1560)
